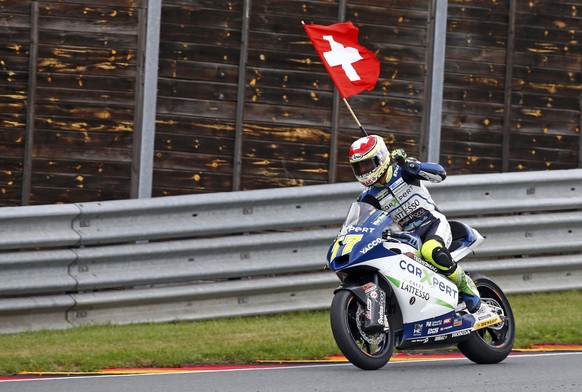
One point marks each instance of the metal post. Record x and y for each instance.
(332, 171)
(29, 130)
(146, 96)
(505, 150)
(432, 118)
(240, 97)
(580, 134)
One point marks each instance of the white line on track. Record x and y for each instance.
(297, 366)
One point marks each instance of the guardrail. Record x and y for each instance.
(256, 252)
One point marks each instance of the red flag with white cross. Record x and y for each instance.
(352, 67)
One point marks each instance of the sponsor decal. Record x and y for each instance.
(460, 333)
(457, 322)
(423, 335)
(423, 341)
(382, 194)
(398, 182)
(411, 269)
(487, 323)
(405, 193)
(427, 277)
(413, 216)
(380, 218)
(434, 323)
(421, 261)
(410, 287)
(359, 229)
(447, 320)
(404, 210)
(371, 245)
(381, 310)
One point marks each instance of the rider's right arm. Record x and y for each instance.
(366, 197)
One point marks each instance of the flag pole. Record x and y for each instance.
(355, 118)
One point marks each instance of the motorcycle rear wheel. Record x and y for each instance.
(492, 344)
(368, 351)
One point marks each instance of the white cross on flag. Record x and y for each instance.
(352, 67)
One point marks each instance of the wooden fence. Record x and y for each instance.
(243, 101)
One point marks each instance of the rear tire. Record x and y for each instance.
(492, 344)
(368, 351)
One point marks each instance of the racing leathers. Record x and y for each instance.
(402, 194)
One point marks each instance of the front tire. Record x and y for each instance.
(492, 344)
(368, 351)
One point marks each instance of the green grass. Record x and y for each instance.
(540, 318)
(547, 318)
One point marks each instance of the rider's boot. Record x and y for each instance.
(467, 289)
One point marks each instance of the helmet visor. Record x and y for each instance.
(366, 166)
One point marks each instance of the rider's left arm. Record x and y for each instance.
(432, 172)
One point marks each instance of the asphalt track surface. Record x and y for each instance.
(533, 371)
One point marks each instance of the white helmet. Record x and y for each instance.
(369, 159)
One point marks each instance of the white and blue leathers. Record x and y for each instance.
(407, 200)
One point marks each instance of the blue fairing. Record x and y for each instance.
(367, 250)
(463, 235)
(360, 238)
(443, 326)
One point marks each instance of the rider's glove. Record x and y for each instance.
(399, 156)
(412, 165)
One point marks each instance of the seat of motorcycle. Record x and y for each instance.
(460, 231)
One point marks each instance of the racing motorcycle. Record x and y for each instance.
(390, 297)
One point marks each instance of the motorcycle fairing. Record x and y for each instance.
(428, 293)
(437, 330)
(465, 240)
(447, 329)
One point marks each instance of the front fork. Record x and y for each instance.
(374, 299)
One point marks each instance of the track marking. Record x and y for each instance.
(333, 361)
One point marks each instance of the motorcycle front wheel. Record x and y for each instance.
(492, 344)
(368, 351)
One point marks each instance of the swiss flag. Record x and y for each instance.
(352, 67)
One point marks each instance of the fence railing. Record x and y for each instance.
(257, 252)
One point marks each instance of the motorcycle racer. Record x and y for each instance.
(397, 189)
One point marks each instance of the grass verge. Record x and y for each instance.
(540, 318)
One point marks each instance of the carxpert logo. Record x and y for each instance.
(427, 277)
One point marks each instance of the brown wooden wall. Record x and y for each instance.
(546, 86)
(512, 94)
(79, 99)
(513, 86)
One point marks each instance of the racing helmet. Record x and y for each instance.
(369, 158)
